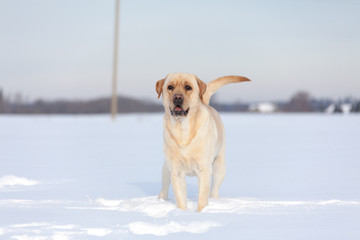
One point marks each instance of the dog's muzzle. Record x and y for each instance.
(178, 100)
(177, 111)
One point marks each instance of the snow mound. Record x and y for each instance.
(253, 206)
(98, 232)
(141, 228)
(156, 208)
(11, 180)
(150, 206)
(30, 225)
(27, 237)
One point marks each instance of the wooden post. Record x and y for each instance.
(115, 62)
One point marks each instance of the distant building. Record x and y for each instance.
(339, 108)
(346, 108)
(264, 107)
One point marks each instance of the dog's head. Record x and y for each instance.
(182, 93)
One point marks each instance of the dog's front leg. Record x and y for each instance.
(204, 188)
(179, 186)
(165, 181)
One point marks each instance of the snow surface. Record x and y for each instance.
(10, 180)
(84, 177)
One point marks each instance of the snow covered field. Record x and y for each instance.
(85, 177)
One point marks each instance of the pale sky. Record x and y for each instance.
(63, 48)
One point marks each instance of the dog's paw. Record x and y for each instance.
(214, 196)
(163, 196)
(200, 208)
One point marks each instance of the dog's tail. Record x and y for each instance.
(214, 85)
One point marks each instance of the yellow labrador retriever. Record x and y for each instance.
(194, 140)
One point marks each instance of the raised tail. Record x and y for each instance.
(214, 85)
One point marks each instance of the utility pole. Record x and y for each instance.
(115, 62)
(2, 102)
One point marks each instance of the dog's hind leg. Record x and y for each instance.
(219, 168)
(165, 181)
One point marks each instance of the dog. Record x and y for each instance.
(194, 136)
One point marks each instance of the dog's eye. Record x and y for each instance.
(170, 87)
(188, 88)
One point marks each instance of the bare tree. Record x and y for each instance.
(300, 102)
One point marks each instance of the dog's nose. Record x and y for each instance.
(178, 99)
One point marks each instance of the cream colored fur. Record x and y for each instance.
(194, 144)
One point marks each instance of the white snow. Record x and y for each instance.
(32, 224)
(60, 236)
(288, 177)
(142, 228)
(157, 208)
(64, 227)
(10, 180)
(98, 232)
(150, 206)
(27, 237)
(109, 203)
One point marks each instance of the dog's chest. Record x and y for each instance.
(187, 158)
(189, 147)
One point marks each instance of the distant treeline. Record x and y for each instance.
(299, 102)
(94, 106)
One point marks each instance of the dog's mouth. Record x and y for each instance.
(179, 111)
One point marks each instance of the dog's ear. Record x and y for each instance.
(202, 87)
(159, 85)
